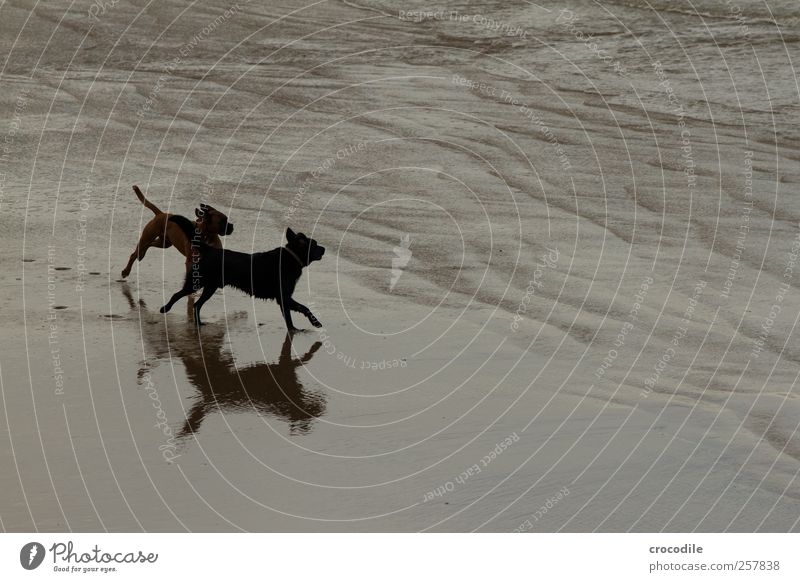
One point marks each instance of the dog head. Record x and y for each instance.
(303, 246)
(214, 221)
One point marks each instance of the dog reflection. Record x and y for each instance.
(271, 389)
(267, 389)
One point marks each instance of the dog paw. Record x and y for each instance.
(125, 273)
(315, 322)
(163, 309)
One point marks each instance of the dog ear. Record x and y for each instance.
(290, 235)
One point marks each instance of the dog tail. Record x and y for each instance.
(156, 210)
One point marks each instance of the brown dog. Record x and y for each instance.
(161, 232)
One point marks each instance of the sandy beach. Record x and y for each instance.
(560, 291)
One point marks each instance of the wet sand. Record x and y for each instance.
(546, 307)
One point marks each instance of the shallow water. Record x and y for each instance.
(581, 248)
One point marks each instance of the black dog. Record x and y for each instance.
(269, 275)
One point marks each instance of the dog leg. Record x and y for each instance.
(208, 291)
(287, 314)
(300, 308)
(149, 234)
(185, 290)
(127, 270)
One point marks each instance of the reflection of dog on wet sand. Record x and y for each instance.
(272, 389)
(162, 232)
(267, 389)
